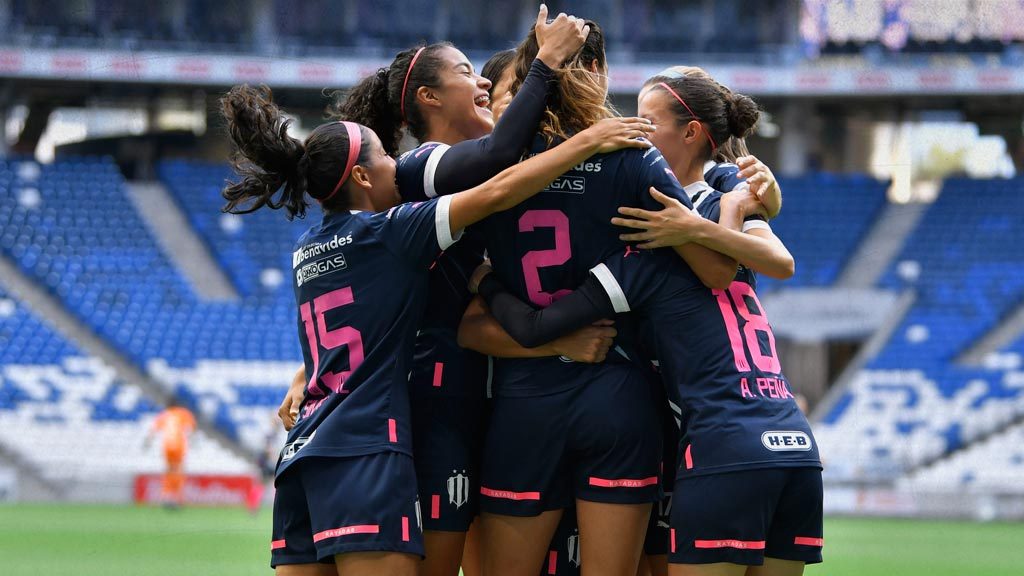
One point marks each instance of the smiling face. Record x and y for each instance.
(462, 99)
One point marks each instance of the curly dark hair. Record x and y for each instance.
(277, 170)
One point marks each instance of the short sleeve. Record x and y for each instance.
(418, 231)
(755, 222)
(655, 171)
(723, 176)
(632, 278)
(416, 171)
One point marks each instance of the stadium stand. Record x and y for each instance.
(994, 465)
(70, 226)
(825, 217)
(912, 404)
(68, 414)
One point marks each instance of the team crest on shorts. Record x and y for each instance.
(458, 488)
(573, 548)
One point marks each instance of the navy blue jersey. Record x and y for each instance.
(722, 175)
(360, 283)
(440, 366)
(718, 359)
(545, 247)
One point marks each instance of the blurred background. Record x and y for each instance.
(896, 128)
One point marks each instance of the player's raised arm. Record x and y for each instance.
(519, 182)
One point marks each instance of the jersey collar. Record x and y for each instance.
(696, 189)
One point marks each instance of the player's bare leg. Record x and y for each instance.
(443, 553)
(376, 564)
(776, 567)
(515, 545)
(472, 559)
(717, 569)
(306, 570)
(653, 565)
(611, 537)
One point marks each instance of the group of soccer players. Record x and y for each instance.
(611, 402)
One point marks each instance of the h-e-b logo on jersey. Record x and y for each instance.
(458, 488)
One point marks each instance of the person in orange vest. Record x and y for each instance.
(175, 425)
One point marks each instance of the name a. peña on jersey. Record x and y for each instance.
(306, 252)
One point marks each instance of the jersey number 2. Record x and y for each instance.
(318, 335)
(536, 259)
(738, 294)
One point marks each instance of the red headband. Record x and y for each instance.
(407, 74)
(695, 117)
(355, 141)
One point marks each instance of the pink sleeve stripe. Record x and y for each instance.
(689, 458)
(438, 371)
(435, 506)
(552, 562)
(623, 482)
(346, 531)
(405, 528)
(392, 430)
(740, 544)
(509, 495)
(672, 540)
(277, 544)
(806, 541)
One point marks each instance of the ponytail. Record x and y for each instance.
(266, 157)
(386, 100)
(368, 104)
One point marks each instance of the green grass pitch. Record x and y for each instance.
(127, 541)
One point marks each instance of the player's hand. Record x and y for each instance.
(674, 225)
(613, 134)
(762, 183)
(589, 344)
(478, 275)
(289, 410)
(743, 200)
(560, 39)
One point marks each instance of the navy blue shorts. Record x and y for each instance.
(599, 441)
(656, 541)
(448, 440)
(329, 506)
(743, 517)
(564, 553)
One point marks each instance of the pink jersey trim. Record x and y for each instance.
(346, 531)
(808, 541)
(509, 495)
(392, 430)
(277, 544)
(405, 528)
(435, 506)
(553, 562)
(438, 370)
(672, 540)
(740, 544)
(689, 458)
(623, 482)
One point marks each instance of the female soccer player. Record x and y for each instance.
(754, 507)
(433, 91)
(346, 488)
(564, 432)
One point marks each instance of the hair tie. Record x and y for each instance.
(355, 140)
(407, 74)
(700, 122)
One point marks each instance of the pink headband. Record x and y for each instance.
(407, 74)
(695, 117)
(355, 141)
